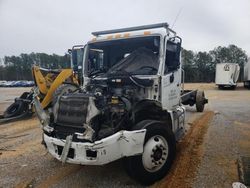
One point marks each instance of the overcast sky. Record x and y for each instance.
(54, 26)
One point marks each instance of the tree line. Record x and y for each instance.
(19, 67)
(198, 66)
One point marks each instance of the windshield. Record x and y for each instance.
(133, 56)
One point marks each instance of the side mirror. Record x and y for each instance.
(176, 63)
(177, 54)
(178, 50)
(172, 61)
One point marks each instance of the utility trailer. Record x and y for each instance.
(247, 74)
(128, 106)
(227, 75)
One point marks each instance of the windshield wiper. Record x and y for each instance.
(95, 72)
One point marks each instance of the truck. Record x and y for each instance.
(128, 106)
(246, 79)
(227, 75)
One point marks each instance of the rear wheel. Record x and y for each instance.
(233, 87)
(221, 87)
(247, 84)
(200, 101)
(158, 153)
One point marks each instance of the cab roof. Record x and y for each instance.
(153, 29)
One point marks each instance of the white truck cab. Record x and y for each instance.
(128, 105)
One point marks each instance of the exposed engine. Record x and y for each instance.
(107, 104)
(101, 109)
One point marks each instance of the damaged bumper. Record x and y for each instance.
(116, 146)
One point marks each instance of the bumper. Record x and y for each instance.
(116, 146)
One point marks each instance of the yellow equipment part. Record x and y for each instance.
(39, 79)
(51, 81)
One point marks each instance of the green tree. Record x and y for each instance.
(205, 66)
(189, 66)
(19, 67)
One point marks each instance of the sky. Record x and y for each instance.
(55, 26)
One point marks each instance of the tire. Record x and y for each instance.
(15, 109)
(200, 97)
(245, 85)
(233, 87)
(159, 150)
(221, 87)
(63, 89)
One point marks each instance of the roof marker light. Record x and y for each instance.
(118, 36)
(147, 32)
(126, 35)
(110, 37)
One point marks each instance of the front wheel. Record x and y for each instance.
(158, 153)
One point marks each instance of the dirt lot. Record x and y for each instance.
(206, 157)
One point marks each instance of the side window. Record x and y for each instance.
(172, 59)
(95, 59)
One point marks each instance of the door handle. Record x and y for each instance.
(171, 79)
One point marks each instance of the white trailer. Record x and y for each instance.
(227, 75)
(247, 74)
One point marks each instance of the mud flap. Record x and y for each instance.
(66, 148)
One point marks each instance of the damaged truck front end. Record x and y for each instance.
(72, 137)
(128, 105)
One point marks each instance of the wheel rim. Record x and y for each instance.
(155, 153)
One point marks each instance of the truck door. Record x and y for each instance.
(171, 75)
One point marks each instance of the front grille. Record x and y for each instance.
(72, 110)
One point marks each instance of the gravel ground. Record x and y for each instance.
(211, 148)
(227, 139)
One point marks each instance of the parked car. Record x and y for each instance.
(20, 83)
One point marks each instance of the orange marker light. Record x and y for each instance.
(126, 35)
(110, 37)
(118, 36)
(147, 32)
